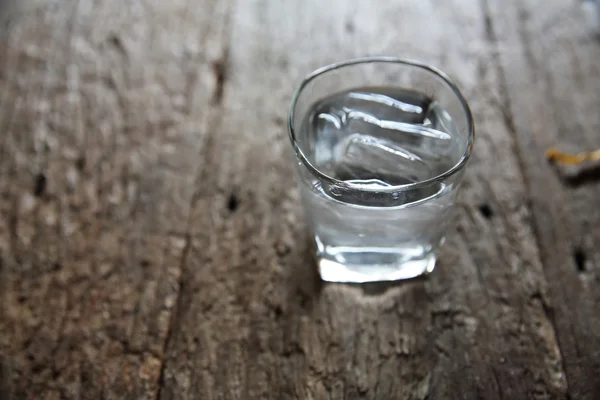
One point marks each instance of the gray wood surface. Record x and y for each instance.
(553, 81)
(152, 244)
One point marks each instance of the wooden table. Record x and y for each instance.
(152, 245)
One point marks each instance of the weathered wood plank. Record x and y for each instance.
(551, 62)
(103, 108)
(118, 121)
(253, 321)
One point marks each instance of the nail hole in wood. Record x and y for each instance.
(304, 300)
(233, 202)
(37, 368)
(115, 41)
(278, 312)
(80, 163)
(39, 186)
(579, 258)
(486, 211)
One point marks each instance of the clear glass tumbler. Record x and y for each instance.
(380, 144)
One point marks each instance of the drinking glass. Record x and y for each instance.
(381, 145)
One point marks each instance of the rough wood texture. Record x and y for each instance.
(152, 243)
(103, 114)
(552, 66)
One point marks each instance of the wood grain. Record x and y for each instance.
(253, 320)
(103, 110)
(152, 244)
(551, 60)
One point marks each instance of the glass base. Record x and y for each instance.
(374, 265)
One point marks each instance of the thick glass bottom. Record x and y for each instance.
(360, 264)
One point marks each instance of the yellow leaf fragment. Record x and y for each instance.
(553, 154)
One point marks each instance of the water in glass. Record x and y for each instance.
(375, 138)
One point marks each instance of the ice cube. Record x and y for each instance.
(364, 157)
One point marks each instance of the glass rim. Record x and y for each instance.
(459, 165)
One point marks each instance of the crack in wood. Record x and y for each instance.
(221, 72)
(214, 120)
(259, 319)
(579, 257)
(506, 108)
